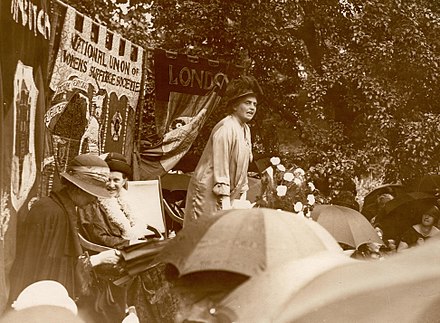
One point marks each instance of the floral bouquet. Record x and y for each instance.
(290, 190)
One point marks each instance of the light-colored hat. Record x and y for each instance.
(89, 173)
(45, 292)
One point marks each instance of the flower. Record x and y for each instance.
(297, 181)
(281, 190)
(281, 168)
(288, 176)
(298, 206)
(290, 190)
(275, 161)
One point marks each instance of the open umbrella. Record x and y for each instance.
(403, 212)
(346, 225)
(403, 288)
(261, 297)
(245, 241)
(429, 183)
(370, 207)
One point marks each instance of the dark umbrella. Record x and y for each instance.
(429, 183)
(245, 241)
(403, 212)
(369, 208)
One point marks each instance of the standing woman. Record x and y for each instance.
(221, 174)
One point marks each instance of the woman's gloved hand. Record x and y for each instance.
(111, 256)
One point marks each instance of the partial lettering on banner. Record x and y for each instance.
(28, 14)
(96, 62)
(97, 80)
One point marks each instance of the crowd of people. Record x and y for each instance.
(92, 205)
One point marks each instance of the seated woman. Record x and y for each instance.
(422, 231)
(111, 222)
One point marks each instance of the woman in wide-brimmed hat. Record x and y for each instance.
(421, 231)
(50, 247)
(221, 174)
(112, 222)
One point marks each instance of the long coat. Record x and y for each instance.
(50, 246)
(222, 169)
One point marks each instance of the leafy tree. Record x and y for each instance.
(351, 87)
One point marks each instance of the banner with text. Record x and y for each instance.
(24, 51)
(97, 82)
(187, 90)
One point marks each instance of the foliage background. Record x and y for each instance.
(351, 87)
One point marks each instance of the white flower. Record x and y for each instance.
(275, 161)
(288, 177)
(297, 181)
(299, 172)
(301, 213)
(298, 206)
(311, 186)
(281, 190)
(281, 168)
(311, 199)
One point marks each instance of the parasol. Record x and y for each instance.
(403, 288)
(346, 225)
(429, 183)
(370, 207)
(403, 212)
(245, 241)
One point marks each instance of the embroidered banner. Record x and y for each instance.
(97, 81)
(24, 51)
(187, 90)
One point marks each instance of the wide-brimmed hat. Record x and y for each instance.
(89, 173)
(45, 292)
(241, 87)
(118, 163)
(433, 211)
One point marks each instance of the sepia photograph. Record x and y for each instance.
(238, 161)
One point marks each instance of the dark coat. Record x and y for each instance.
(96, 227)
(50, 246)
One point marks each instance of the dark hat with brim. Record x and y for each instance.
(89, 173)
(433, 211)
(118, 163)
(242, 87)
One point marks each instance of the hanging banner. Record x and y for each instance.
(24, 51)
(97, 81)
(187, 90)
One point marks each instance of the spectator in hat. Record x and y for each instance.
(346, 198)
(221, 174)
(422, 231)
(51, 249)
(111, 222)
